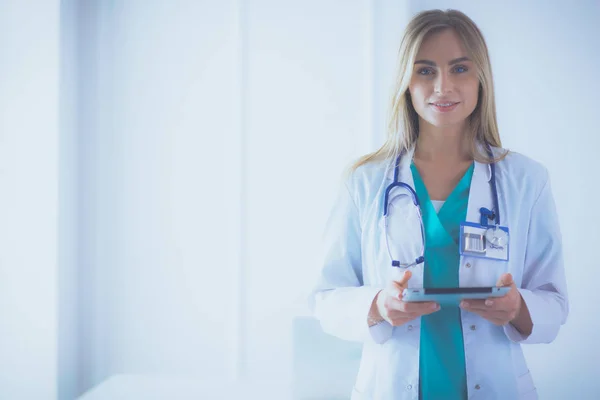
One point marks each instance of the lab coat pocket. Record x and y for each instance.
(526, 388)
(481, 271)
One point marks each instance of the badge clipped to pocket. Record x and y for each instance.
(484, 241)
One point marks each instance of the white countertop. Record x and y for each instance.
(146, 387)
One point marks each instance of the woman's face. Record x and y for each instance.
(444, 85)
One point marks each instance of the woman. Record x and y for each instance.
(444, 146)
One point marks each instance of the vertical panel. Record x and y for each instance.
(29, 137)
(161, 126)
(235, 203)
(175, 95)
(94, 60)
(69, 370)
(307, 118)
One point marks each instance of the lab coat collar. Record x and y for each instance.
(482, 169)
(404, 172)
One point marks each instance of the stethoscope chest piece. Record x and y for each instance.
(496, 237)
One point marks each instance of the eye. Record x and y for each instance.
(461, 69)
(425, 71)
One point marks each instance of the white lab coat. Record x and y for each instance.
(356, 265)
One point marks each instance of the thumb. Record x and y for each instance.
(505, 280)
(404, 280)
(398, 285)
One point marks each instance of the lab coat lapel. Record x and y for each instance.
(480, 194)
(480, 271)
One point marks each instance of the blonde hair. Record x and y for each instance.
(403, 127)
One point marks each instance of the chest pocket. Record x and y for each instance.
(476, 272)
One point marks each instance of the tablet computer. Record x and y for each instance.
(452, 295)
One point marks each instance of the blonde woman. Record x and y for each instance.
(442, 206)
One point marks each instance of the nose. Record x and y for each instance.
(444, 83)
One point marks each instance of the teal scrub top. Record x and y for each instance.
(442, 355)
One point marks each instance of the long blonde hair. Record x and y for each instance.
(403, 127)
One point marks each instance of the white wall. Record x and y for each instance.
(308, 109)
(159, 290)
(212, 139)
(199, 112)
(545, 60)
(200, 148)
(29, 104)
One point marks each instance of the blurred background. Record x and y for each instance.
(167, 168)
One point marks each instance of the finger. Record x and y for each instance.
(477, 304)
(496, 317)
(481, 313)
(438, 308)
(500, 303)
(420, 307)
(394, 290)
(400, 318)
(399, 322)
(505, 280)
(393, 303)
(491, 314)
(479, 308)
(396, 287)
(506, 302)
(500, 315)
(403, 282)
(488, 304)
(409, 316)
(485, 304)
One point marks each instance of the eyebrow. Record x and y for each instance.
(451, 62)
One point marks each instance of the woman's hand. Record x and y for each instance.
(503, 310)
(388, 304)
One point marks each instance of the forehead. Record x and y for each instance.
(441, 47)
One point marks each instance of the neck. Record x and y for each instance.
(446, 144)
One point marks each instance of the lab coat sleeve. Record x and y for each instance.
(340, 300)
(543, 287)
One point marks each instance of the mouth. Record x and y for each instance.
(444, 106)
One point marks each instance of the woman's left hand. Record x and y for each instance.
(498, 310)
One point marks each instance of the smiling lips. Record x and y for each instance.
(444, 106)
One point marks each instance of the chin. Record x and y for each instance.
(446, 122)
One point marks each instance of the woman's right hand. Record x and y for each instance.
(388, 304)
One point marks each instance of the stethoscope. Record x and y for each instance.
(495, 236)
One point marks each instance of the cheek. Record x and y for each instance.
(473, 93)
(417, 95)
